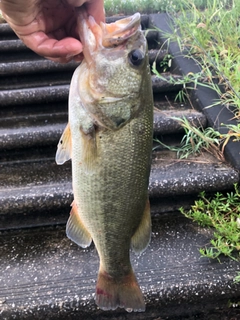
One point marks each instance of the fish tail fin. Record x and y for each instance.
(124, 293)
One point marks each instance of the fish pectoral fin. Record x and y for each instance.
(142, 235)
(64, 148)
(89, 149)
(76, 230)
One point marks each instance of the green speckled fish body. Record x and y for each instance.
(109, 138)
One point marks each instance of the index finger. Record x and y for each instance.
(50, 47)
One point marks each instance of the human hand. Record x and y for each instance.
(49, 27)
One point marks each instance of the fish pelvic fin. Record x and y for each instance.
(64, 148)
(75, 229)
(142, 236)
(124, 293)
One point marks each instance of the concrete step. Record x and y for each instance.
(39, 185)
(44, 275)
(30, 129)
(37, 89)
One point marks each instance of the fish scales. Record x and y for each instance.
(109, 139)
(117, 186)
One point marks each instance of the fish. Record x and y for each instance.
(109, 141)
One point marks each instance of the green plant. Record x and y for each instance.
(196, 140)
(185, 81)
(237, 278)
(189, 81)
(233, 133)
(212, 38)
(221, 212)
(142, 6)
(147, 6)
(165, 64)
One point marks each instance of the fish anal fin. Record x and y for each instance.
(76, 230)
(89, 149)
(142, 235)
(64, 148)
(124, 292)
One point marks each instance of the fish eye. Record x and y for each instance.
(136, 57)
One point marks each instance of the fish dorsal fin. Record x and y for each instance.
(142, 236)
(64, 148)
(76, 230)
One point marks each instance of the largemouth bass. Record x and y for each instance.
(109, 139)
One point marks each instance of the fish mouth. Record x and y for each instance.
(94, 36)
(118, 32)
